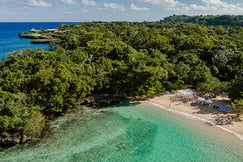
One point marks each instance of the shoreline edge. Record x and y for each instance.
(239, 136)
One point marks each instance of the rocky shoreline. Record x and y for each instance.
(94, 101)
(29, 35)
(14, 139)
(45, 36)
(43, 41)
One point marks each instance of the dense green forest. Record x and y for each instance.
(225, 20)
(132, 59)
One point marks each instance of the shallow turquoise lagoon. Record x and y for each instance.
(129, 132)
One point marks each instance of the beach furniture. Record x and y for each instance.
(201, 100)
(187, 94)
(222, 109)
(209, 102)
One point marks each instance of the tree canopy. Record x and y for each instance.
(225, 20)
(135, 59)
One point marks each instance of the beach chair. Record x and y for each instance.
(222, 109)
(227, 110)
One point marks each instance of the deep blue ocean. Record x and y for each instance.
(10, 41)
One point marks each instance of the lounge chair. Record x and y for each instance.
(225, 110)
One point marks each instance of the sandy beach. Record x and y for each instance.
(204, 113)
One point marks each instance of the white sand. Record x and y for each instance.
(198, 112)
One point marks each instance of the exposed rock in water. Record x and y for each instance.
(11, 140)
(103, 99)
(46, 37)
(14, 139)
(36, 41)
(26, 139)
(29, 35)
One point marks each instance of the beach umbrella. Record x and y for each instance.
(209, 101)
(201, 99)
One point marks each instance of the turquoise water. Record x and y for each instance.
(128, 132)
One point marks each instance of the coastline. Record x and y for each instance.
(194, 112)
